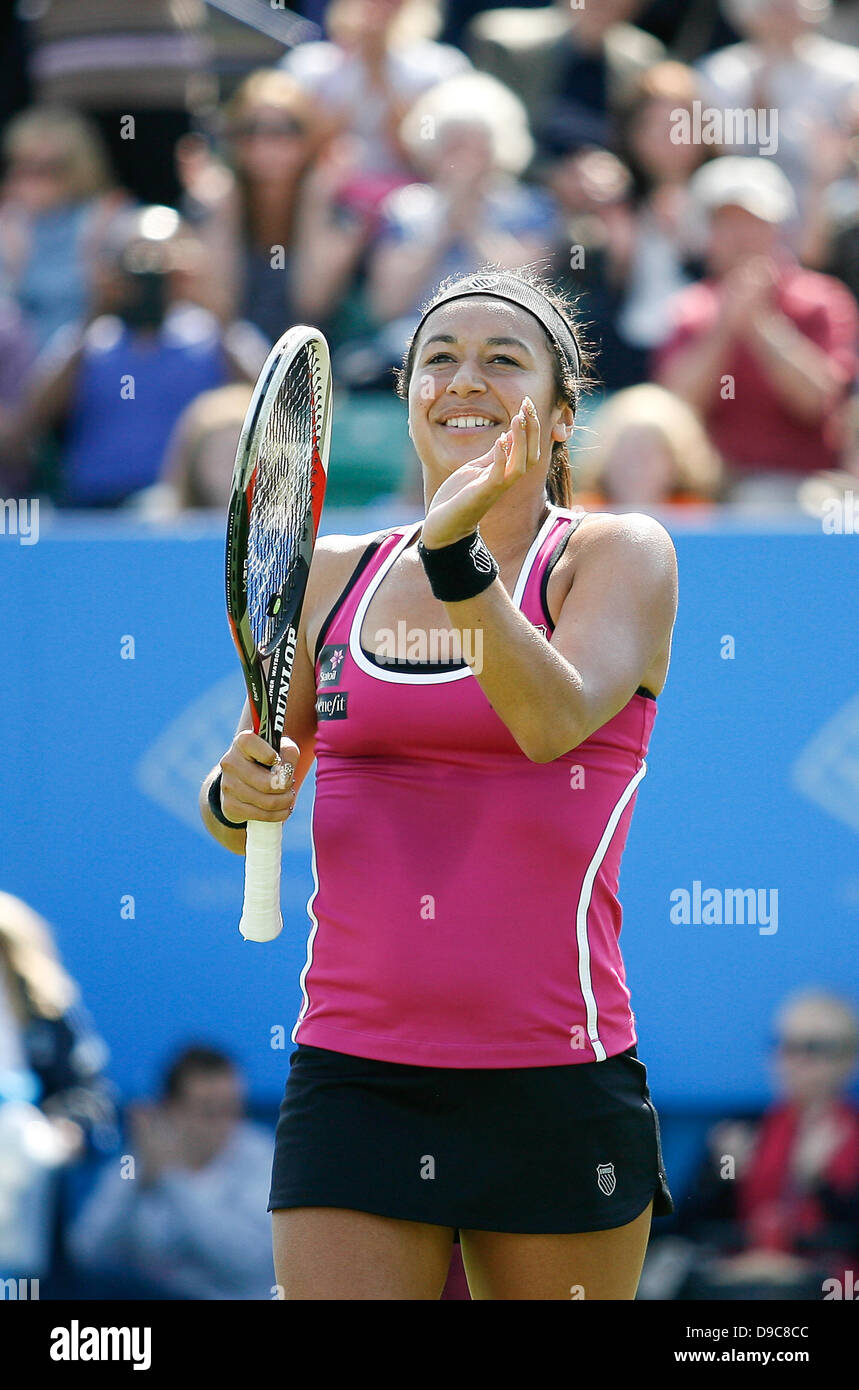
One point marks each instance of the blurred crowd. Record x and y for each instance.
(179, 187)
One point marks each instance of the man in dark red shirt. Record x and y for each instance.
(764, 350)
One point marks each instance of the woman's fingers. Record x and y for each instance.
(532, 430)
(242, 798)
(517, 460)
(498, 467)
(277, 808)
(467, 494)
(255, 783)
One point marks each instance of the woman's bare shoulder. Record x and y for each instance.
(334, 560)
(336, 554)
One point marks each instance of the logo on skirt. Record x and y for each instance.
(606, 1178)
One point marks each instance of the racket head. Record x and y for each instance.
(278, 489)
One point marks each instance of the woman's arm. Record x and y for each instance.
(325, 250)
(246, 792)
(614, 622)
(399, 271)
(804, 377)
(245, 782)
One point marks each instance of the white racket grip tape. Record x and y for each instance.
(261, 919)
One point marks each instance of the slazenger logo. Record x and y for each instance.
(333, 705)
(606, 1179)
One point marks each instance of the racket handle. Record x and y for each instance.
(261, 919)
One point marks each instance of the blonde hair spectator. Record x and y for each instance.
(28, 951)
(272, 88)
(199, 462)
(44, 132)
(649, 447)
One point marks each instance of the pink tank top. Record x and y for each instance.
(465, 912)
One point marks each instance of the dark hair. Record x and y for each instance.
(195, 1060)
(569, 387)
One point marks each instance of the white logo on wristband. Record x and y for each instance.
(481, 557)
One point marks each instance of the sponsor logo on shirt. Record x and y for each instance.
(331, 665)
(332, 705)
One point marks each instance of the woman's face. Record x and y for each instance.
(639, 469)
(650, 139)
(772, 21)
(475, 361)
(735, 236)
(37, 176)
(353, 23)
(464, 152)
(270, 143)
(815, 1057)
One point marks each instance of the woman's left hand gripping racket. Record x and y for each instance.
(278, 487)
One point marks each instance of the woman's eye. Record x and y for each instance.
(448, 357)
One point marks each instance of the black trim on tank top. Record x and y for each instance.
(401, 665)
(544, 587)
(397, 665)
(346, 591)
(553, 560)
(430, 666)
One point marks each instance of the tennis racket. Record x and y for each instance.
(278, 487)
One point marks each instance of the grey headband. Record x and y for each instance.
(527, 297)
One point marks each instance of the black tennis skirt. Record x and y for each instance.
(537, 1150)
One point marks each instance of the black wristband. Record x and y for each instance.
(216, 808)
(459, 571)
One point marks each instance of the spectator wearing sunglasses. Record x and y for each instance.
(774, 1209)
(281, 247)
(58, 201)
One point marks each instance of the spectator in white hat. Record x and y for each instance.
(785, 68)
(763, 349)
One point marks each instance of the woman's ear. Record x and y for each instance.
(563, 426)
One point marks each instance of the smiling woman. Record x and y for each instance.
(466, 1036)
(545, 310)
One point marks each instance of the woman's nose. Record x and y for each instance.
(467, 377)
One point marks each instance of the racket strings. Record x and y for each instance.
(281, 501)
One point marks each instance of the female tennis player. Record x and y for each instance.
(465, 1052)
